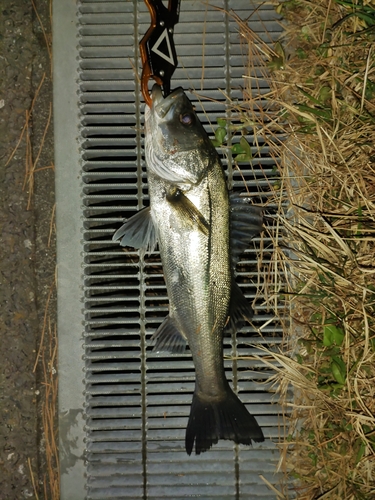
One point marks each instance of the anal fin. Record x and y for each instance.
(168, 338)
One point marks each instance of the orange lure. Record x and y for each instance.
(158, 53)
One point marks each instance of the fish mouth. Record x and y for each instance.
(163, 105)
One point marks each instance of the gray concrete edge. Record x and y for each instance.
(69, 249)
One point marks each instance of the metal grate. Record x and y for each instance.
(123, 426)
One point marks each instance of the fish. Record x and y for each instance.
(201, 230)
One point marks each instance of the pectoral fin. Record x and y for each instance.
(168, 338)
(187, 211)
(138, 232)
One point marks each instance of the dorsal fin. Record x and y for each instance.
(240, 310)
(246, 222)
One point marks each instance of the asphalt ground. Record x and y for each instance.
(27, 248)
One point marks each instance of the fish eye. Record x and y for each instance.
(187, 119)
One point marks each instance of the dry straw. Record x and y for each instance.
(319, 122)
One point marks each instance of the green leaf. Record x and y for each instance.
(237, 149)
(332, 351)
(279, 8)
(370, 20)
(322, 278)
(308, 129)
(313, 457)
(324, 94)
(220, 134)
(361, 452)
(338, 369)
(299, 359)
(246, 147)
(276, 63)
(304, 119)
(370, 89)
(338, 336)
(340, 362)
(309, 96)
(221, 122)
(279, 49)
(278, 60)
(316, 317)
(319, 70)
(332, 335)
(326, 114)
(301, 54)
(243, 149)
(242, 157)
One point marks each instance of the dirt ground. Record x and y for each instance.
(27, 255)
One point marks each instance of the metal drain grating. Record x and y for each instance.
(123, 409)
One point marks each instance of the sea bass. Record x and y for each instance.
(196, 222)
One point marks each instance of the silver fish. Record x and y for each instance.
(196, 222)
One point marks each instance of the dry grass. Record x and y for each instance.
(320, 124)
(51, 476)
(46, 363)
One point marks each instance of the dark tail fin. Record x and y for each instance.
(227, 418)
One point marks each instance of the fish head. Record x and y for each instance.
(178, 148)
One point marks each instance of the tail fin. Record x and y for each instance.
(227, 418)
